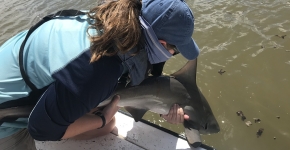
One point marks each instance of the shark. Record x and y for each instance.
(157, 94)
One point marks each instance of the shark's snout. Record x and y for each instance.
(209, 128)
(202, 121)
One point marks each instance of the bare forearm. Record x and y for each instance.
(83, 124)
(89, 122)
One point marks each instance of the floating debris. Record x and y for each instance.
(259, 132)
(281, 36)
(274, 138)
(244, 118)
(257, 120)
(262, 46)
(287, 50)
(221, 71)
(248, 123)
(278, 117)
(240, 113)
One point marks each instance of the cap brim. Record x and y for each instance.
(190, 50)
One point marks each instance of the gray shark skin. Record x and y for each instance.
(158, 94)
(11, 114)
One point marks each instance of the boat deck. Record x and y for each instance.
(129, 135)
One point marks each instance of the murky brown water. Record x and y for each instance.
(237, 36)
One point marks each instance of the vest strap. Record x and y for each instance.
(10, 110)
(70, 12)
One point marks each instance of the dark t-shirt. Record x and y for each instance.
(79, 87)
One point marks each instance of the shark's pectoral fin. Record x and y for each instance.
(192, 135)
(136, 113)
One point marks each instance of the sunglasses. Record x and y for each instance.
(170, 46)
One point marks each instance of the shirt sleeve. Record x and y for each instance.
(80, 86)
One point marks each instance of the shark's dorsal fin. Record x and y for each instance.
(187, 73)
(187, 77)
(136, 113)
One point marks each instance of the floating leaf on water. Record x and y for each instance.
(239, 113)
(248, 123)
(259, 132)
(221, 71)
(257, 120)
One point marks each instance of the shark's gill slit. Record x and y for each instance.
(205, 126)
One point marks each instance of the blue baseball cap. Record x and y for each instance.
(171, 21)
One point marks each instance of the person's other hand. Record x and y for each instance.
(111, 109)
(175, 115)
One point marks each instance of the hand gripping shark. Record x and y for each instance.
(158, 94)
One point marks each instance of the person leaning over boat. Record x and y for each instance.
(81, 72)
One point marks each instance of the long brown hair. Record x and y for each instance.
(119, 23)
